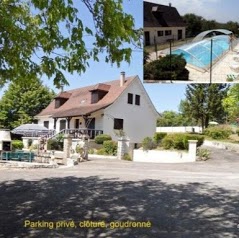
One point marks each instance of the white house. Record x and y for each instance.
(162, 23)
(122, 104)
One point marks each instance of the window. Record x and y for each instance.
(137, 99)
(46, 124)
(118, 124)
(77, 123)
(168, 33)
(130, 98)
(59, 102)
(62, 125)
(160, 33)
(97, 95)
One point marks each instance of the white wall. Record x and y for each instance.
(139, 121)
(179, 129)
(153, 32)
(72, 122)
(51, 122)
(157, 156)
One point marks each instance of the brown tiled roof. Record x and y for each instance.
(79, 103)
(65, 95)
(162, 16)
(101, 87)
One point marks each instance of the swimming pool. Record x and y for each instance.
(199, 54)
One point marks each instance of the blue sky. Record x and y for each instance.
(219, 10)
(164, 97)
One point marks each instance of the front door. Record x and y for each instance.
(180, 34)
(146, 38)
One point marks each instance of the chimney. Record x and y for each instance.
(122, 79)
(170, 4)
(61, 87)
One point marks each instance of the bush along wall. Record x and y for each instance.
(218, 132)
(101, 138)
(179, 141)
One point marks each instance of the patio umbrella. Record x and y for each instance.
(30, 130)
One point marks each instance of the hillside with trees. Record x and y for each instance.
(197, 24)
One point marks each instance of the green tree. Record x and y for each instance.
(194, 24)
(46, 37)
(203, 103)
(231, 103)
(232, 26)
(22, 101)
(171, 118)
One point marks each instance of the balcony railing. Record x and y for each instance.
(78, 133)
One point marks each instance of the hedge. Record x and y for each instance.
(158, 136)
(101, 138)
(218, 132)
(179, 141)
(17, 145)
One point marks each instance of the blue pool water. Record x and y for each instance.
(198, 54)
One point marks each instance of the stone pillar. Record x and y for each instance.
(192, 149)
(25, 142)
(122, 148)
(67, 147)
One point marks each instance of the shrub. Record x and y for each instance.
(167, 142)
(17, 145)
(127, 157)
(110, 147)
(101, 152)
(203, 154)
(237, 131)
(199, 138)
(91, 151)
(148, 143)
(101, 138)
(158, 136)
(218, 132)
(53, 144)
(179, 141)
(161, 69)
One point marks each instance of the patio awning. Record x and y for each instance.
(33, 130)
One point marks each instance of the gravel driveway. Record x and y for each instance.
(95, 197)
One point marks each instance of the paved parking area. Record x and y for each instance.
(175, 200)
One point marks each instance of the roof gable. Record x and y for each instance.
(157, 15)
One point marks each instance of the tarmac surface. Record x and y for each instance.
(110, 198)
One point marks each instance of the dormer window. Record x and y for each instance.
(61, 99)
(98, 92)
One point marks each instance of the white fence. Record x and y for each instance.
(179, 129)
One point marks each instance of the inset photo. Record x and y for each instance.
(191, 42)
